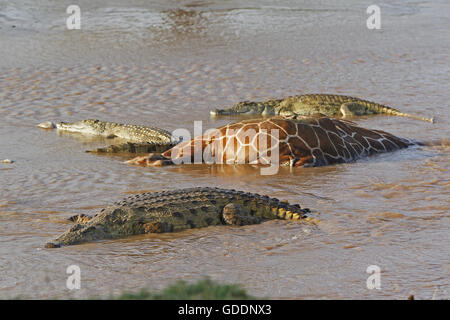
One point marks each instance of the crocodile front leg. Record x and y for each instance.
(80, 218)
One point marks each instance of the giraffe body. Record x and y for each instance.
(300, 141)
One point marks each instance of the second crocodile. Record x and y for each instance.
(331, 105)
(140, 139)
(177, 210)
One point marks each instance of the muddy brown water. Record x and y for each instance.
(167, 64)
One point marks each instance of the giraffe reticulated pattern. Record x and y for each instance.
(301, 141)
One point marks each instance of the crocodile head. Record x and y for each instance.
(246, 108)
(89, 126)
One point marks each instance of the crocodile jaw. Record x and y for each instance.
(76, 127)
(267, 111)
(222, 112)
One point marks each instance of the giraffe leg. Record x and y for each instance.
(152, 159)
(307, 161)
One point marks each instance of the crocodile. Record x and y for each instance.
(332, 105)
(307, 141)
(140, 139)
(173, 211)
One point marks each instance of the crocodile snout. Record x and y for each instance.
(47, 125)
(52, 245)
(216, 112)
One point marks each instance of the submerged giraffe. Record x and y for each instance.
(302, 141)
(332, 105)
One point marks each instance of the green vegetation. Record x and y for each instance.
(205, 289)
(202, 290)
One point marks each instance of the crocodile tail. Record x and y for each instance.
(288, 212)
(395, 112)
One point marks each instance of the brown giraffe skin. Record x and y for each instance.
(303, 141)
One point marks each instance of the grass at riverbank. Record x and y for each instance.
(202, 290)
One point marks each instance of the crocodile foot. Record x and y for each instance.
(80, 218)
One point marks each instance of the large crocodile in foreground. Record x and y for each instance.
(301, 141)
(172, 211)
(332, 105)
(140, 139)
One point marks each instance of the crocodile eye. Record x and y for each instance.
(178, 215)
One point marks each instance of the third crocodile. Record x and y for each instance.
(140, 139)
(331, 105)
(178, 210)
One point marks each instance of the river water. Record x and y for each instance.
(166, 64)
